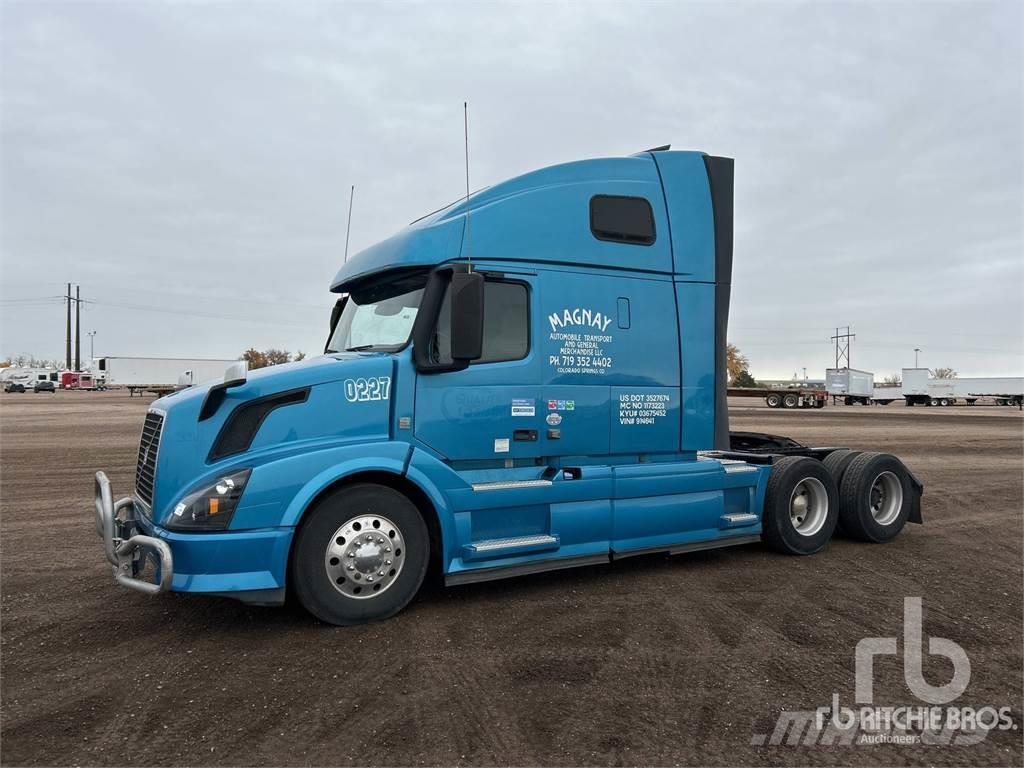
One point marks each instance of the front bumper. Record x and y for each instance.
(126, 548)
(248, 565)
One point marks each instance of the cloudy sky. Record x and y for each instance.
(189, 164)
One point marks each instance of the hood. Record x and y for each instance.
(325, 407)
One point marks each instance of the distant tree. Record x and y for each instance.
(744, 379)
(257, 359)
(6, 363)
(943, 373)
(277, 356)
(254, 358)
(892, 380)
(735, 362)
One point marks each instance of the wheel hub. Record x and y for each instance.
(808, 506)
(365, 556)
(886, 498)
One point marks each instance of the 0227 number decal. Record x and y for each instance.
(361, 390)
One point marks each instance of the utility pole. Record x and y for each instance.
(78, 328)
(67, 338)
(842, 341)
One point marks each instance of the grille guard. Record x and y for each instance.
(125, 548)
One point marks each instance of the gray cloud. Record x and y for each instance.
(197, 158)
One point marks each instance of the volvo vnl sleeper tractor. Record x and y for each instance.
(530, 379)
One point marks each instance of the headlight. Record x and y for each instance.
(210, 508)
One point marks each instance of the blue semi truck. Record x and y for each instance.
(529, 379)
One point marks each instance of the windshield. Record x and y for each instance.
(376, 321)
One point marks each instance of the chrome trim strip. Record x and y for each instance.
(510, 484)
(518, 541)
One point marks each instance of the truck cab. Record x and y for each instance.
(530, 379)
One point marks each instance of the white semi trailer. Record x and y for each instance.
(920, 389)
(157, 373)
(850, 385)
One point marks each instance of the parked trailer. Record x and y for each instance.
(920, 389)
(490, 418)
(797, 397)
(850, 385)
(161, 374)
(79, 381)
(884, 394)
(16, 379)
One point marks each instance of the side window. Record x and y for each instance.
(506, 325)
(622, 219)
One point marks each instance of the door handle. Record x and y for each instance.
(524, 435)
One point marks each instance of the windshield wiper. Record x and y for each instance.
(360, 348)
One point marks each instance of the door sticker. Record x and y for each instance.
(642, 408)
(554, 419)
(501, 445)
(581, 335)
(523, 407)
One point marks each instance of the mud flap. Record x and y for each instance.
(915, 500)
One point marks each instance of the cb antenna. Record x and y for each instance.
(348, 225)
(465, 132)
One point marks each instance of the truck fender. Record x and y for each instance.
(331, 475)
(389, 465)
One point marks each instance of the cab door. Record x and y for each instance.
(491, 410)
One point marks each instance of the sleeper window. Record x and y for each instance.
(622, 219)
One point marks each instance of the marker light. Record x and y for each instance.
(210, 508)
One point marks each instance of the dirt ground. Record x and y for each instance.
(649, 661)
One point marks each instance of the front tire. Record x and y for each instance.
(773, 400)
(360, 555)
(874, 497)
(801, 506)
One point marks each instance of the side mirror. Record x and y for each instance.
(467, 315)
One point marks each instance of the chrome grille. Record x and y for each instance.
(145, 471)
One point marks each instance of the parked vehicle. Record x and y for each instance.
(850, 385)
(44, 386)
(78, 380)
(14, 386)
(548, 393)
(156, 372)
(790, 397)
(26, 377)
(920, 389)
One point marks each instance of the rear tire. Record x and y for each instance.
(790, 401)
(874, 497)
(801, 506)
(837, 462)
(773, 400)
(360, 555)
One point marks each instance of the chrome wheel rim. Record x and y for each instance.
(886, 498)
(365, 557)
(808, 506)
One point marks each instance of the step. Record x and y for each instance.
(737, 520)
(507, 485)
(516, 545)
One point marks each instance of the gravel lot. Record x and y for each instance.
(652, 660)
